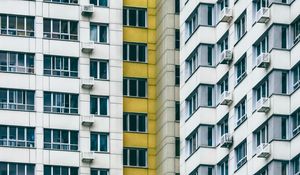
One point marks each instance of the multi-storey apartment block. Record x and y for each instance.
(239, 92)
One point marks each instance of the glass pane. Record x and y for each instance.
(132, 52)
(47, 25)
(12, 168)
(142, 88)
(93, 106)
(132, 17)
(142, 18)
(94, 142)
(132, 122)
(20, 23)
(21, 169)
(103, 106)
(47, 170)
(73, 27)
(133, 87)
(103, 34)
(12, 22)
(103, 142)
(142, 53)
(30, 170)
(56, 25)
(133, 157)
(142, 123)
(93, 33)
(103, 3)
(103, 70)
(93, 69)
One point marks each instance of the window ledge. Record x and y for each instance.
(65, 40)
(17, 110)
(135, 27)
(49, 149)
(61, 3)
(70, 114)
(135, 132)
(101, 152)
(57, 76)
(18, 147)
(145, 98)
(140, 167)
(138, 62)
(21, 36)
(21, 73)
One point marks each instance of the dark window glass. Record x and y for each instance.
(133, 157)
(142, 18)
(142, 157)
(142, 88)
(132, 122)
(177, 6)
(132, 17)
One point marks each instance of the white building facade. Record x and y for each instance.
(61, 87)
(239, 94)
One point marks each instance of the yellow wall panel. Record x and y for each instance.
(135, 3)
(151, 126)
(135, 171)
(130, 70)
(134, 34)
(135, 140)
(135, 105)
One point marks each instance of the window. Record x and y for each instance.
(135, 157)
(262, 46)
(16, 168)
(135, 52)
(261, 136)
(135, 87)
(135, 17)
(192, 102)
(241, 113)
(17, 99)
(223, 168)
(60, 66)
(223, 43)
(191, 24)
(99, 105)
(192, 142)
(99, 171)
(60, 139)
(16, 25)
(204, 169)
(99, 142)
(284, 128)
(99, 69)
(241, 154)
(56, 102)
(223, 4)
(284, 83)
(223, 84)
(101, 3)
(134, 122)
(240, 26)
(296, 122)
(177, 39)
(296, 76)
(99, 33)
(177, 146)
(192, 63)
(284, 37)
(60, 29)
(296, 30)
(240, 69)
(263, 172)
(63, 1)
(177, 6)
(207, 136)
(60, 170)
(262, 90)
(177, 75)
(177, 111)
(15, 136)
(223, 126)
(207, 14)
(16, 62)
(296, 166)
(261, 4)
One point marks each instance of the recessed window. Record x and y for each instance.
(99, 33)
(7, 168)
(177, 6)
(101, 3)
(223, 126)
(60, 29)
(240, 69)
(177, 111)
(261, 4)
(13, 99)
(15, 136)
(177, 146)
(223, 4)
(223, 167)
(16, 62)
(192, 63)
(135, 17)
(296, 165)
(261, 136)
(296, 122)
(60, 170)
(191, 23)
(192, 102)
(223, 85)
(60, 139)
(60, 66)
(99, 105)
(262, 90)
(133, 122)
(63, 1)
(240, 111)
(95, 171)
(135, 157)
(241, 154)
(16, 25)
(241, 26)
(99, 69)
(99, 142)
(296, 76)
(135, 87)
(55, 102)
(192, 142)
(262, 46)
(296, 30)
(177, 39)
(136, 52)
(177, 75)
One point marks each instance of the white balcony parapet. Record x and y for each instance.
(263, 105)
(264, 150)
(226, 15)
(263, 60)
(226, 57)
(263, 15)
(226, 140)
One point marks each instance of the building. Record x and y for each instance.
(61, 87)
(85, 87)
(239, 92)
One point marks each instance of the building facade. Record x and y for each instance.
(89, 87)
(239, 102)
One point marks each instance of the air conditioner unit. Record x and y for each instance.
(226, 140)
(263, 60)
(264, 150)
(87, 157)
(226, 98)
(87, 47)
(87, 10)
(226, 57)
(87, 83)
(226, 15)
(263, 15)
(263, 105)
(88, 120)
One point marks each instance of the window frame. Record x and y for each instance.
(57, 98)
(60, 34)
(127, 80)
(241, 149)
(62, 146)
(98, 105)
(241, 111)
(126, 20)
(98, 32)
(99, 149)
(241, 29)
(99, 70)
(28, 141)
(20, 99)
(98, 3)
(15, 57)
(126, 121)
(127, 52)
(69, 169)
(58, 64)
(14, 31)
(127, 150)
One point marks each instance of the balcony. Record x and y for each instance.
(226, 15)
(88, 121)
(263, 60)
(263, 105)
(87, 157)
(87, 10)
(226, 98)
(226, 141)
(263, 15)
(87, 47)
(226, 57)
(87, 83)
(264, 150)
